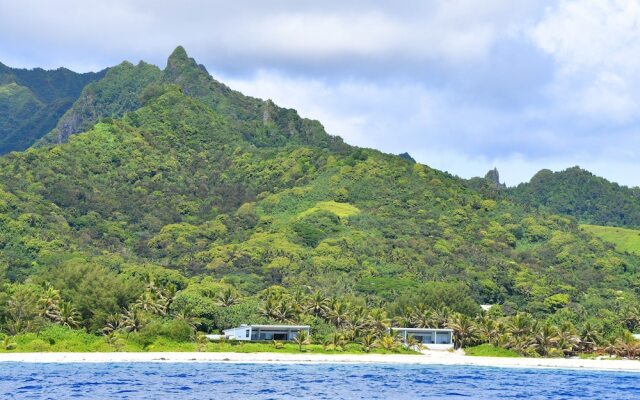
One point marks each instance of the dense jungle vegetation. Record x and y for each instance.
(184, 207)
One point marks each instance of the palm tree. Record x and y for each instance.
(227, 297)
(337, 340)
(568, 339)
(546, 338)
(68, 316)
(317, 305)
(488, 329)
(133, 320)
(422, 317)
(285, 312)
(388, 342)
(8, 343)
(367, 342)
(114, 322)
(414, 344)
(463, 330)
(269, 307)
(405, 318)
(589, 338)
(378, 320)
(302, 339)
(149, 302)
(339, 313)
(522, 325)
(48, 303)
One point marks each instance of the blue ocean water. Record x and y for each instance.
(306, 381)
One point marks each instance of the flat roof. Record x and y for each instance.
(274, 326)
(423, 329)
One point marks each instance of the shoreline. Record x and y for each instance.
(428, 358)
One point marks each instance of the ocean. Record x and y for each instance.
(305, 381)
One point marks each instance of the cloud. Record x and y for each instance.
(595, 44)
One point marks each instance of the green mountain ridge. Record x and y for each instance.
(178, 181)
(32, 101)
(581, 194)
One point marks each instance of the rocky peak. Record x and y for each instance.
(493, 176)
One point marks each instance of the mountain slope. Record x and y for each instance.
(190, 184)
(579, 193)
(125, 87)
(32, 101)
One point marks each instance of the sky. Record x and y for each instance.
(462, 85)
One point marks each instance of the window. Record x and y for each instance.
(246, 333)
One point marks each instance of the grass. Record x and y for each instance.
(342, 210)
(59, 339)
(624, 239)
(488, 350)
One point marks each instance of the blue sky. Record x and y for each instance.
(462, 85)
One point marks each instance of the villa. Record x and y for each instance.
(433, 339)
(265, 332)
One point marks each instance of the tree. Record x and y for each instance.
(302, 339)
(68, 316)
(227, 297)
(463, 330)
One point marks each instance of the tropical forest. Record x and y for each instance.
(142, 208)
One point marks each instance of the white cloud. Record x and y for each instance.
(595, 44)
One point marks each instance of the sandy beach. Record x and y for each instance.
(433, 357)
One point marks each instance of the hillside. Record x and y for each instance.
(236, 210)
(32, 101)
(580, 194)
(624, 240)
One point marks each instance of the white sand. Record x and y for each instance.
(430, 357)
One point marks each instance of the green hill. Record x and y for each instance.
(32, 101)
(579, 193)
(624, 240)
(184, 199)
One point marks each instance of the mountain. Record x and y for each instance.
(168, 177)
(580, 194)
(32, 101)
(126, 86)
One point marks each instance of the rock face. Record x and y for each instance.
(407, 156)
(493, 176)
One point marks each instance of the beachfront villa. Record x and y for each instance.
(432, 338)
(265, 332)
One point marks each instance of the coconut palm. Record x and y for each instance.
(388, 341)
(133, 320)
(114, 322)
(522, 325)
(339, 313)
(568, 339)
(589, 337)
(414, 344)
(68, 316)
(367, 342)
(546, 338)
(285, 312)
(8, 343)
(463, 330)
(489, 329)
(227, 298)
(337, 340)
(269, 307)
(405, 318)
(302, 339)
(150, 302)
(378, 321)
(48, 303)
(317, 305)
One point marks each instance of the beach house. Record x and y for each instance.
(432, 338)
(265, 332)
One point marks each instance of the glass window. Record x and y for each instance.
(246, 333)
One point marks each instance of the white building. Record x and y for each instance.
(265, 332)
(433, 339)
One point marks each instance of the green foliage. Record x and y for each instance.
(624, 240)
(488, 350)
(32, 101)
(189, 202)
(579, 193)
